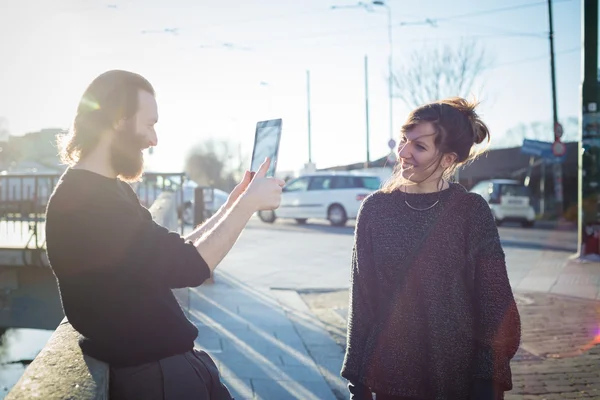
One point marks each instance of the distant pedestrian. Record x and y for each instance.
(432, 314)
(116, 267)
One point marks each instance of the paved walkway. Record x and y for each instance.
(267, 343)
(559, 356)
(553, 272)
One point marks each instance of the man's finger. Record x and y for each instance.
(264, 167)
(247, 177)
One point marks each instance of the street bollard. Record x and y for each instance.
(199, 216)
(198, 206)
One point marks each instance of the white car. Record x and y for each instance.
(509, 201)
(333, 196)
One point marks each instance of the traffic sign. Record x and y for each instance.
(537, 148)
(392, 144)
(559, 148)
(558, 130)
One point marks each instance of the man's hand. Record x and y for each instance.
(238, 190)
(263, 193)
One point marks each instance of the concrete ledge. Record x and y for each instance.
(61, 371)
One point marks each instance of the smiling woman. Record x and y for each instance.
(432, 313)
(436, 139)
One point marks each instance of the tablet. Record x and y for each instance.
(266, 144)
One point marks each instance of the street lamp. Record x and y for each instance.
(369, 7)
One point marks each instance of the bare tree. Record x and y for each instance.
(4, 132)
(214, 163)
(540, 130)
(438, 72)
(5, 154)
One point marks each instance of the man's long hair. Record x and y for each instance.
(110, 98)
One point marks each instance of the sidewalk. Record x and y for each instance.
(552, 272)
(284, 344)
(559, 356)
(267, 343)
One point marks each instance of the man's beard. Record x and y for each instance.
(126, 155)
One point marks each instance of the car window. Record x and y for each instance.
(369, 182)
(297, 185)
(356, 182)
(320, 183)
(514, 190)
(343, 182)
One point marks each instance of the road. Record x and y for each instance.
(317, 256)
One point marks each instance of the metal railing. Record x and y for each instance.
(24, 197)
(154, 183)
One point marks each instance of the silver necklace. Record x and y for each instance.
(426, 208)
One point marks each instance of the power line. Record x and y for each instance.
(497, 10)
(264, 18)
(503, 31)
(434, 21)
(428, 21)
(537, 58)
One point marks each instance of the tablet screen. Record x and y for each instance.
(266, 144)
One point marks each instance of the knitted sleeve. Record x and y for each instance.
(498, 325)
(360, 315)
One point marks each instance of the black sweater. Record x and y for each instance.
(115, 269)
(453, 320)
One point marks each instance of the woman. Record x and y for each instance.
(432, 314)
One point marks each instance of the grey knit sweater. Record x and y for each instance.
(452, 317)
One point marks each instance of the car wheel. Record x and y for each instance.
(267, 216)
(337, 215)
(187, 215)
(527, 224)
(301, 221)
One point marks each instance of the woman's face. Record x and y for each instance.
(418, 156)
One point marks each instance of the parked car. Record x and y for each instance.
(332, 196)
(211, 206)
(509, 200)
(150, 188)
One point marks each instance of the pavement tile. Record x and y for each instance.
(262, 345)
(284, 390)
(585, 291)
(261, 367)
(240, 389)
(537, 283)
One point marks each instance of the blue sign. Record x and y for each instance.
(537, 148)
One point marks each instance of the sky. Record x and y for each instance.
(218, 67)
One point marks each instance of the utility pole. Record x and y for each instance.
(308, 115)
(589, 143)
(557, 167)
(367, 110)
